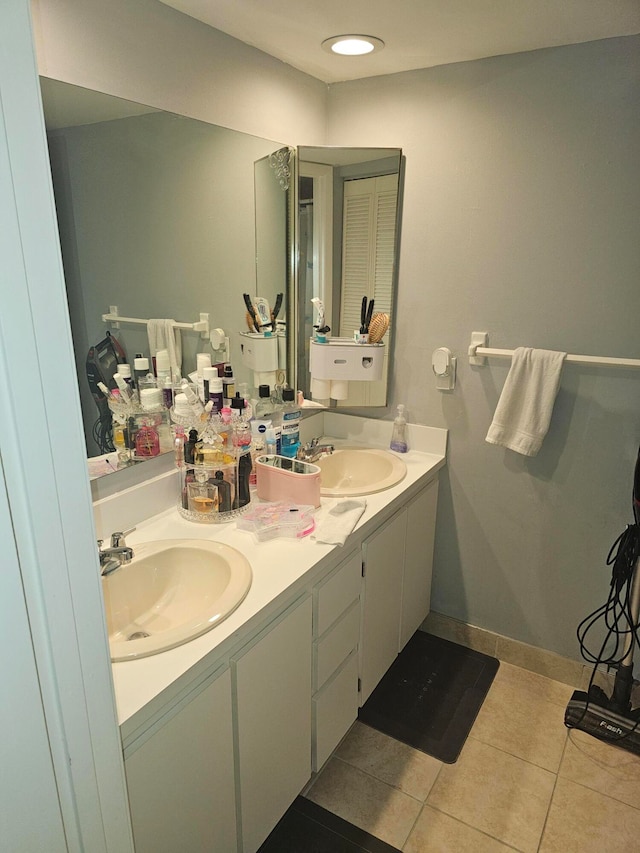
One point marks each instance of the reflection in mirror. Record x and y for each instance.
(159, 215)
(267, 357)
(348, 228)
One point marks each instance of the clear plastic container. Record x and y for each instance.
(272, 520)
(209, 494)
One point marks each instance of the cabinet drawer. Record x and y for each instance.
(335, 594)
(335, 709)
(335, 646)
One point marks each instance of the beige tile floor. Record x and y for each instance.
(522, 782)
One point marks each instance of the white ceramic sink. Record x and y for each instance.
(172, 591)
(350, 471)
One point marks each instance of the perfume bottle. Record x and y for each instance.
(147, 442)
(202, 496)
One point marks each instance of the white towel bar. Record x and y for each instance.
(479, 352)
(201, 325)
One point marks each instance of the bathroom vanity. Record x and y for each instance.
(223, 732)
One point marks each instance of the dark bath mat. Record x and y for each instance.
(308, 828)
(431, 695)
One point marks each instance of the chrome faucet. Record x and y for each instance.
(117, 555)
(312, 451)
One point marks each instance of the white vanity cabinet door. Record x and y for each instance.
(383, 555)
(273, 694)
(181, 780)
(418, 561)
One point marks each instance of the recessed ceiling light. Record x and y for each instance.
(352, 45)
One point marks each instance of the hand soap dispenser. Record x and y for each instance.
(399, 434)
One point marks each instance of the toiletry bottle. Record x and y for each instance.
(224, 491)
(194, 401)
(203, 360)
(120, 444)
(190, 447)
(243, 492)
(290, 438)
(249, 404)
(163, 367)
(228, 383)
(125, 371)
(263, 406)
(130, 435)
(257, 449)
(140, 368)
(167, 393)
(208, 374)
(238, 406)
(399, 434)
(202, 496)
(178, 445)
(271, 446)
(216, 395)
(126, 392)
(147, 441)
(189, 477)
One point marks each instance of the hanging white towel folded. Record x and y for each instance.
(523, 413)
(336, 519)
(163, 334)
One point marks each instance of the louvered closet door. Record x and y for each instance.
(369, 231)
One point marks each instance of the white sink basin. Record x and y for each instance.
(172, 591)
(350, 471)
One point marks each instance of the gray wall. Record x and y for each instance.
(521, 218)
(147, 52)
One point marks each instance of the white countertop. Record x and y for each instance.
(281, 568)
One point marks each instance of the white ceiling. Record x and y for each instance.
(417, 33)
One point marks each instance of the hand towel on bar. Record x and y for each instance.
(163, 334)
(336, 519)
(523, 413)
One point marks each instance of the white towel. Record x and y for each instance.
(336, 519)
(523, 413)
(163, 334)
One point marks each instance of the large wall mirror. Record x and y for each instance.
(165, 217)
(348, 234)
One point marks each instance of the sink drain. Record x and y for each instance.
(138, 635)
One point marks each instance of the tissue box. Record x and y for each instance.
(279, 478)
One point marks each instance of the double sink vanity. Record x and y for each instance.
(269, 647)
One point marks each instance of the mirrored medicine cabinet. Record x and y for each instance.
(347, 238)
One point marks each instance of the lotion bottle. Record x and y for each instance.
(399, 434)
(163, 367)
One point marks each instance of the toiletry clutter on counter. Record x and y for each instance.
(215, 428)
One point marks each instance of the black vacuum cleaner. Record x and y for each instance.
(612, 719)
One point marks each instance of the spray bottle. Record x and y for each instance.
(399, 434)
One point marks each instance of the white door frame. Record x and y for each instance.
(43, 455)
(322, 231)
